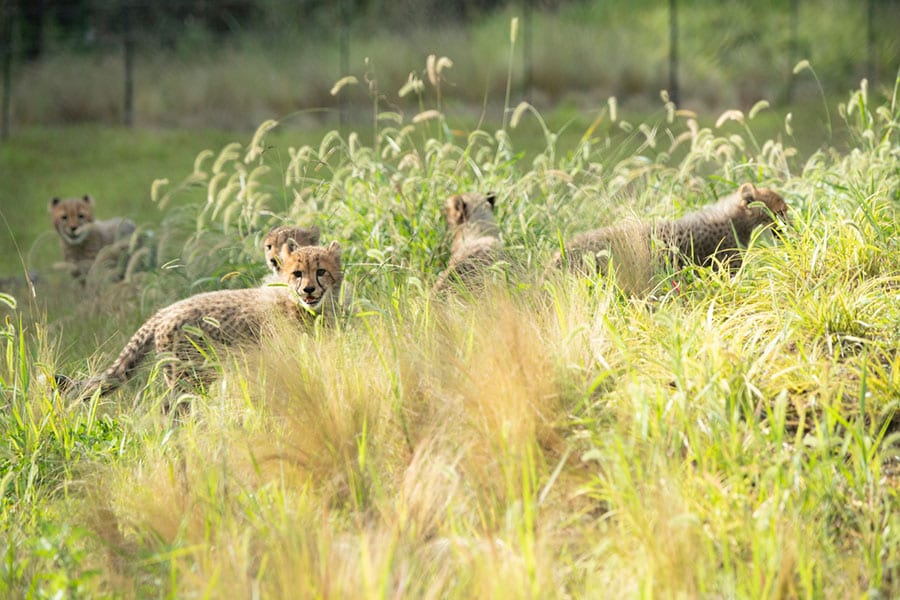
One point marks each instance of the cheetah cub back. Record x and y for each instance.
(710, 236)
(716, 233)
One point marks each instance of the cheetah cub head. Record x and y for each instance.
(292, 238)
(314, 273)
(761, 204)
(72, 217)
(472, 207)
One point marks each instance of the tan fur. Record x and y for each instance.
(626, 248)
(286, 235)
(476, 238)
(82, 238)
(709, 236)
(225, 319)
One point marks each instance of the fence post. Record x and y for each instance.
(344, 58)
(527, 41)
(128, 35)
(7, 15)
(870, 43)
(31, 30)
(673, 51)
(793, 49)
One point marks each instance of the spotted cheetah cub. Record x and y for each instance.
(476, 238)
(82, 237)
(712, 235)
(224, 319)
(290, 237)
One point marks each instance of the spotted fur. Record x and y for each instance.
(718, 232)
(710, 236)
(224, 319)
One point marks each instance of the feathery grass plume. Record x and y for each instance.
(256, 148)
(517, 115)
(757, 108)
(804, 65)
(426, 116)
(434, 68)
(155, 188)
(513, 31)
(9, 300)
(413, 85)
(342, 83)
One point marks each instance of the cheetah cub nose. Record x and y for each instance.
(309, 289)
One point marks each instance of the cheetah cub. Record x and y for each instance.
(224, 319)
(476, 238)
(291, 237)
(710, 236)
(81, 236)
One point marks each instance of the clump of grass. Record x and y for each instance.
(414, 448)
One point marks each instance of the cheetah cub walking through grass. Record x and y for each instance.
(476, 238)
(81, 236)
(710, 236)
(224, 319)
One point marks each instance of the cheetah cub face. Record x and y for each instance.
(314, 273)
(286, 235)
(761, 204)
(72, 218)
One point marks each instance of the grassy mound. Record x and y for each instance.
(732, 434)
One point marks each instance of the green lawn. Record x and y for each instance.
(116, 166)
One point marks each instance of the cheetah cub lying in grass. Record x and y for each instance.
(712, 235)
(476, 239)
(82, 237)
(224, 319)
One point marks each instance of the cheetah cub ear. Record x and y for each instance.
(334, 248)
(748, 193)
(456, 208)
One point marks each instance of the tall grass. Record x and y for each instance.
(730, 434)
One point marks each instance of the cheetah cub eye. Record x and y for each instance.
(320, 272)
